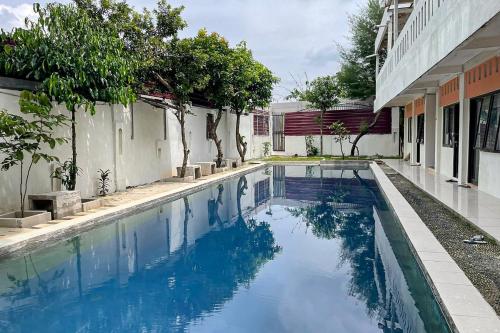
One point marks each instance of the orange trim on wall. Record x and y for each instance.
(409, 110)
(419, 106)
(449, 92)
(483, 79)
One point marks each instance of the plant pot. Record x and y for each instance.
(31, 218)
(91, 203)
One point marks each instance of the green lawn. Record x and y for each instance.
(277, 158)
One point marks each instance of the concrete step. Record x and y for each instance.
(41, 226)
(55, 221)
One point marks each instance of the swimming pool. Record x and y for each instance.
(282, 249)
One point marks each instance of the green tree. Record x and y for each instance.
(251, 86)
(24, 137)
(341, 134)
(218, 88)
(356, 77)
(322, 94)
(77, 60)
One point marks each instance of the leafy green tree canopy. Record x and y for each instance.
(77, 61)
(356, 77)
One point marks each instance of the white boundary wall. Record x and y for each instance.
(369, 145)
(104, 141)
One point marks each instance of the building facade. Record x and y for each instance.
(440, 61)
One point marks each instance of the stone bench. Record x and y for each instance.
(191, 171)
(207, 168)
(60, 204)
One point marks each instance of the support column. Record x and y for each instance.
(429, 130)
(395, 128)
(439, 134)
(396, 22)
(389, 34)
(413, 134)
(463, 140)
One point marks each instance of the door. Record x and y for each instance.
(279, 132)
(456, 131)
(475, 108)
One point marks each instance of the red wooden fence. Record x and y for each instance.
(307, 122)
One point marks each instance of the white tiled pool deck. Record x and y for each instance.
(463, 304)
(480, 208)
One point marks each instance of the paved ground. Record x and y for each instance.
(481, 263)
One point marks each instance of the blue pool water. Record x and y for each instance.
(282, 249)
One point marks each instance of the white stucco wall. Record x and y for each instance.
(489, 165)
(147, 157)
(447, 161)
(369, 145)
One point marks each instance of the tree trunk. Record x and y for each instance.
(182, 121)
(21, 190)
(364, 132)
(215, 138)
(321, 133)
(240, 144)
(74, 169)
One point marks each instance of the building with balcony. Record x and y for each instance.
(440, 61)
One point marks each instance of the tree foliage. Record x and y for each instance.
(26, 137)
(356, 77)
(77, 60)
(251, 86)
(322, 94)
(340, 133)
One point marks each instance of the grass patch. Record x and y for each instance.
(279, 158)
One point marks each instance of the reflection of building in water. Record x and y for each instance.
(121, 260)
(400, 313)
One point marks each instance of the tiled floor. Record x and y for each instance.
(478, 207)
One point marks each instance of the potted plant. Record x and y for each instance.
(25, 139)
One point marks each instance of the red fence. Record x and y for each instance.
(307, 122)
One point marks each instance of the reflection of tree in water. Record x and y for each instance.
(340, 214)
(168, 294)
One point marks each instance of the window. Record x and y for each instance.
(448, 125)
(420, 128)
(491, 137)
(261, 192)
(483, 121)
(409, 130)
(210, 124)
(260, 124)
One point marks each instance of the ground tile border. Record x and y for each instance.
(465, 308)
(22, 243)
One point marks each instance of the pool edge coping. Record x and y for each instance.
(442, 273)
(20, 244)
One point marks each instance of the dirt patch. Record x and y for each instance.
(481, 263)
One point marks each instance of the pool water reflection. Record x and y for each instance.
(283, 249)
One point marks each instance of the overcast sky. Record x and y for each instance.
(291, 37)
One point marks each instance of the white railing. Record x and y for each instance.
(422, 15)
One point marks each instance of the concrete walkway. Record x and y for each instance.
(481, 209)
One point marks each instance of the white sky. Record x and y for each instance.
(291, 37)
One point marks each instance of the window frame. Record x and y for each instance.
(410, 125)
(482, 147)
(420, 128)
(448, 125)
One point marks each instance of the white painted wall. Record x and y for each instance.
(489, 164)
(447, 161)
(369, 145)
(147, 157)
